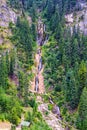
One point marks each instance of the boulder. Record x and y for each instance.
(56, 110)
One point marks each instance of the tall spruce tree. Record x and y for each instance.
(71, 89)
(82, 117)
(3, 72)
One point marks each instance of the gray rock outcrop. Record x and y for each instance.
(6, 14)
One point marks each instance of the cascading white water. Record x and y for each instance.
(42, 38)
(36, 83)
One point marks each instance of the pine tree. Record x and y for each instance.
(21, 84)
(26, 91)
(12, 63)
(7, 63)
(50, 9)
(82, 73)
(55, 19)
(34, 12)
(82, 117)
(71, 89)
(33, 30)
(3, 72)
(75, 53)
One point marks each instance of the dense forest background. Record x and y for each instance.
(65, 61)
(64, 58)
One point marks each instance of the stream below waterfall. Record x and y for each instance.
(53, 119)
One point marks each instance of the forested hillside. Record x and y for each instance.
(43, 64)
(65, 61)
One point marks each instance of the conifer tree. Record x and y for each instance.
(7, 63)
(3, 72)
(82, 117)
(21, 86)
(55, 19)
(12, 63)
(50, 9)
(71, 89)
(82, 73)
(26, 91)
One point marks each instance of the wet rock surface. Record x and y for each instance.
(56, 110)
(38, 83)
(50, 118)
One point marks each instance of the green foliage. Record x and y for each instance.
(3, 72)
(10, 107)
(29, 116)
(50, 107)
(13, 127)
(7, 63)
(25, 128)
(32, 102)
(82, 117)
(50, 9)
(82, 73)
(39, 125)
(65, 59)
(65, 71)
(33, 30)
(13, 66)
(23, 87)
(24, 43)
(15, 3)
(71, 89)
(12, 63)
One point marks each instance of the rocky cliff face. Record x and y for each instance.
(6, 14)
(78, 17)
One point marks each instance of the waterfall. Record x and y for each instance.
(42, 38)
(36, 84)
(40, 65)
